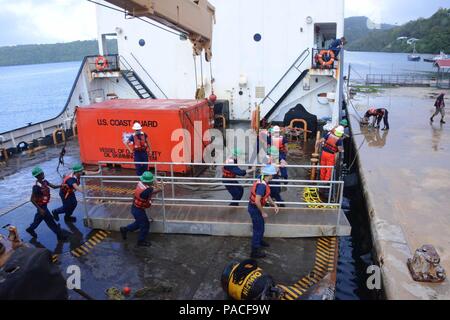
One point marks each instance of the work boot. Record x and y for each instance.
(55, 215)
(442, 121)
(257, 254)
(123, 232)
(265, 244)
(431, 119)
(31, 232)
(70, 219)
(143, 244)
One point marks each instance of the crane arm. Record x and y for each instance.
(195, 18)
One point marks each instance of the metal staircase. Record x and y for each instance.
(288, 82)
(137, 84)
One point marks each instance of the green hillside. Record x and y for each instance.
(357, 28)
(433, 34)
(47, 53)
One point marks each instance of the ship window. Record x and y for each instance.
(142, 42)
(257, 37)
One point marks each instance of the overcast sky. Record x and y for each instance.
(49, 21)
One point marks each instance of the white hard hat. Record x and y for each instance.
(269, 170)
(339, 132)
(276, 129)
(137, 126)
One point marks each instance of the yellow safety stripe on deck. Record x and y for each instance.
(324, 264)
(90, 244)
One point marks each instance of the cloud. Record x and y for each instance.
(49, 21)
(393, 11)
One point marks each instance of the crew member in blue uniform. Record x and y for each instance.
(337, 46)
(40, 198)
(273, 158)
(259, 196)
(141, 148)
(230, 172)
(70, 184)
(143, 193)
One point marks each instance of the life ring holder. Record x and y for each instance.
(322, 62)
(101, 63)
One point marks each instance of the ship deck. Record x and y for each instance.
(405, 174)
(176, 266)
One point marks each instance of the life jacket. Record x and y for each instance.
(65, 188)
(253, 192)
(138, 201)
(44, 197)
(140, 142)
(278, 142)
(227, 173)
(331, 144)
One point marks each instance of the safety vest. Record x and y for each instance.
(253, 193)
(331, 144)
(138, 201)
(227, 173)
(44, 197)
(278, 142)
(140, 142)
(65, 188)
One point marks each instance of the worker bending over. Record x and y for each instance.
(70, 184)
(378, 115)
(331, 146)
(231, 171)
(259, 196)
(143, 193)
(40, 198)
(141, 148)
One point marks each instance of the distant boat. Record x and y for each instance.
(441, 56)
(414, 56)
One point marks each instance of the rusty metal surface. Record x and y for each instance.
(406, 178)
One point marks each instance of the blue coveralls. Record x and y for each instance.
(236, 191)
(70, 203)
(47, 217)
(257, 219)
(335, 47)
(275, 189)
(140, 156)
(141, 220)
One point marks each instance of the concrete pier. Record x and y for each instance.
(405, 174)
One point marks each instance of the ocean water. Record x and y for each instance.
(33, 93)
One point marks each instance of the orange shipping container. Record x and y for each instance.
(103, 128)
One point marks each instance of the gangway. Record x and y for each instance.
(200, 205)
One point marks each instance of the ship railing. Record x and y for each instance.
(107, 184)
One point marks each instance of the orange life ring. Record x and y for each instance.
(321, 55)
(101, 63)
